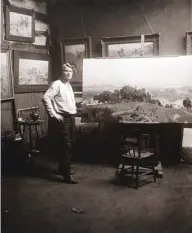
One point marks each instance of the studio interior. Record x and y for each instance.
(96, 116)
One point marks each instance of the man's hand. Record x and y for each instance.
(58, 117)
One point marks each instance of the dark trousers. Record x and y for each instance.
(62, 137)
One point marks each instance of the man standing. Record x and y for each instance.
(61, 107)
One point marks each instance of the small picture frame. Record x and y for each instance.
(7, 91)
(20, 24)
(41, 30)
(189, 42)
(130, 46)
(74, 51)
(31, 71)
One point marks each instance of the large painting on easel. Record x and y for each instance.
(156, 89)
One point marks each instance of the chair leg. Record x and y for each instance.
(154, 174)
(132, 171)
(137, 176)
(120, 169)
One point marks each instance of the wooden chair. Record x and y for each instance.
(134, 159)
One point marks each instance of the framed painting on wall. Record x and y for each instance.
(31, 71)
(74, 51)
(41, 30)
(189, 43)
(6, 76)
(130, 46)
(2, 24)
(20, 24)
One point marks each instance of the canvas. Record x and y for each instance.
(74, 51)
(138, 90)
(41, 30)
(74, 54)
(20, 24)
(6, 77)
(130, 50)
(40, 40)
(31, 71)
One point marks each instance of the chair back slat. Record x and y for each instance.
(132, 139)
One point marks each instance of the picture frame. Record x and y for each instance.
(20, 24)
(7, 91)
(31, 71)
(41, 30)
(2, 24)
(130, 46)
(189, 42)
(74, 51)
(40, 39)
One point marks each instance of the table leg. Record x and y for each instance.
(158, 168)
(30, 139)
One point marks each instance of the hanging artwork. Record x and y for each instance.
(189, 43)
(40, 39)
(130, 46)
(74, 51)
(2, 25)
(20, 24)
(41, 30)
(6, 77)
(31, 71)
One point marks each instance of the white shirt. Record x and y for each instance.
(59, 98)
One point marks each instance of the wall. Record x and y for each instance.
(170, 18)
(22, 100)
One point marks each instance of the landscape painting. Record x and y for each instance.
(138, 90)
(40, 39)
(20, 24)
(31, 71)
(130, 46)
(74, 51)
(41, 30)
(130, 50)
(6, 79)
(74, 55)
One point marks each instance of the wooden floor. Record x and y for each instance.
(38, 202)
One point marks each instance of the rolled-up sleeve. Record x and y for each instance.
(49, 97)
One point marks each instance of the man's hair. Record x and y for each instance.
(67, 65)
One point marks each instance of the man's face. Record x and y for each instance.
(67, 73)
